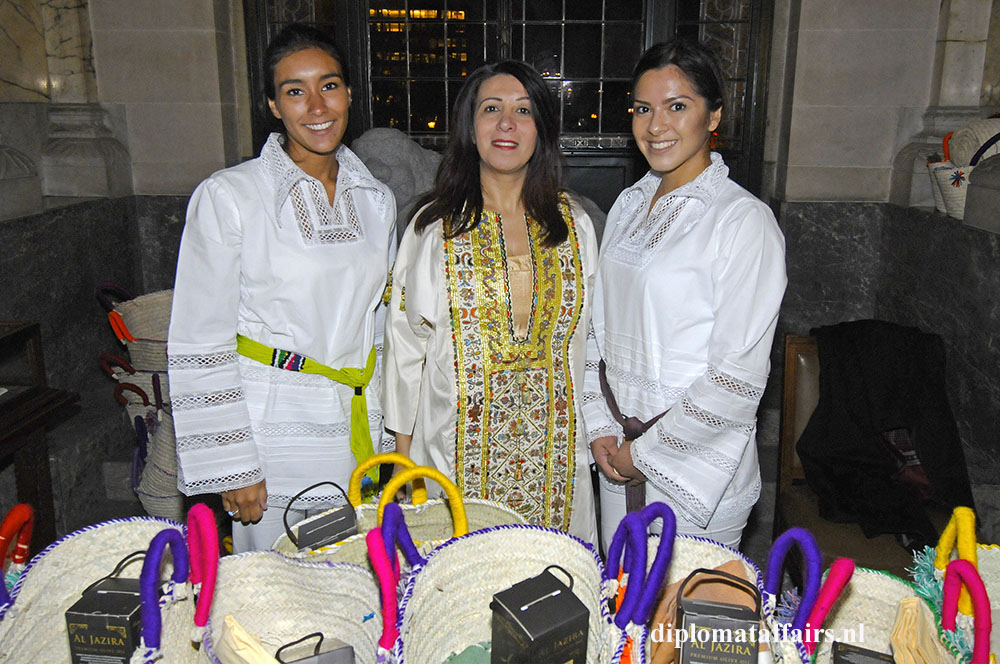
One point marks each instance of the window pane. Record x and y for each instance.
(426, 9)
(730, 42)
(427, 105)
(388, 44)
(387, 9)
(541, 46)
(622, 48)
(615, 116)
(543, 10)
(626, 10)
(516, 9)
(731, 127)
(582, 58)
(427, 49)
(580, 106)
(472, 10)
(584, 10)
(389, 104)
(517, 42)
(465, 48)
(725, 10)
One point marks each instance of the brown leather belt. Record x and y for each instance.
(632, 428)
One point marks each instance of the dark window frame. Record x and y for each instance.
(745, 159)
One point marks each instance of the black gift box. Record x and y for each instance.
(322, 651)
(539, 620)
(104, 623)
(327, 529)
(717, 633)
(845, 653)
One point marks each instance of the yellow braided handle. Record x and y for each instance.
(354, 488)
(397, 482)
(961, 529)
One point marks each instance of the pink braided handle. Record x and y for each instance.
(840, 573)
(203, 544)
(386, 571)
(961, 572)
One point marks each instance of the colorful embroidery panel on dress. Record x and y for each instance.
(516, 430)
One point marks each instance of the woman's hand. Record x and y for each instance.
(621, 461)
(246, 505)
(604, 449)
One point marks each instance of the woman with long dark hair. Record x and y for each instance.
(487, 322)
(691, 276)
(272, 338)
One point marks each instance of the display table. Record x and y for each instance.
(27, 405)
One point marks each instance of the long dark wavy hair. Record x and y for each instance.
(457, 196)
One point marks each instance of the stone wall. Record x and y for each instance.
(863, 260)
(51, 264)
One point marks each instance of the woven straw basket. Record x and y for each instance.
(791, 650)
(280, 599)
(643, 570)
(147, 316)
(953, 179)
(119, 369)
(867, 610)
(446, 606)
(958, 541)
(691, 553)
(33, 626)
(168, 617)
(431, 522)
(966, 140)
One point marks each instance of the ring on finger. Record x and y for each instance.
(233, 513)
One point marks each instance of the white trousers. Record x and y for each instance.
(726, 529)
(261, 536)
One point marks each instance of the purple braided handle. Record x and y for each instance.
(631, 532)
(395, 531)
(149, 580)
(813, 570)
(664, 554)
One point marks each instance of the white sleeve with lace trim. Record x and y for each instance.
(215, 447)
(698, 445)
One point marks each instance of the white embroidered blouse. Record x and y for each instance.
(264, 254)
(686, 304)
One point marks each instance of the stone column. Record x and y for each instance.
(80, 158)
(956, 89)
(24, 95)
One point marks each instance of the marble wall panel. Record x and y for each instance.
(943, 277)
(160, 222)
(51, 263)
(848, 261)
(24, 72)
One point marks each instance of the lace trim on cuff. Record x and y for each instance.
(734, 385)
(679, 496)
(600, 432)
(201, 361)
(216, 439)
(224, 483)
(707, 454)
(710, 419)
(308, 502)
(193, 401)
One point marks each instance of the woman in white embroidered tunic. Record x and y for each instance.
(282, 266)
(490, 302)
(690, 280)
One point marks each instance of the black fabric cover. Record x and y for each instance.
(875, 377)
